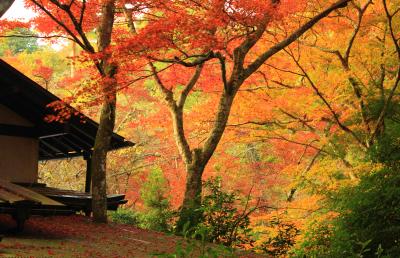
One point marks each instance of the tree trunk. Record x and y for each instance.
(99, 161)
(190, 214)
(107, 118)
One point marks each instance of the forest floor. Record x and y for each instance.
(77, 236)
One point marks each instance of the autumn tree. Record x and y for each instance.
(347, 110)
(371, 122)
(75, 20)
(335, 94)
(195, 34)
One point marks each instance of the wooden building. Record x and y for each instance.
(26, 138)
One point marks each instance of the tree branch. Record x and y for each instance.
(189, 86)
(61, 24)
(168, 95)
(223, 70)
(35, 36)
(327, 104)
(397, 80)
(82, 13)
(200, 59)
(177, 113)
(344, 60)
(294, 36)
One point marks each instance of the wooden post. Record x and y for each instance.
(88, 157)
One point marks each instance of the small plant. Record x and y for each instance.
(157, 214)
(124, 216)
(222, 222)
(195, 244)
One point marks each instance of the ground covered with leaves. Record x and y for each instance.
(77, 236)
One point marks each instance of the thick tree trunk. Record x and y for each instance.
(99, 161)
(190, 214)
(107, 118)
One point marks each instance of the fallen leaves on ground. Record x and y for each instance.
(77, 236)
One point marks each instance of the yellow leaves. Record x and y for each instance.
(366, 168)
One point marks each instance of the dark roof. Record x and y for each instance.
(72, 138)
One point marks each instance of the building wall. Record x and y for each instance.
(18, 155)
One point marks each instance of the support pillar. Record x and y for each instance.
(88, 182)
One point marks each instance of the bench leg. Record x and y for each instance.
(22, 213)
(20, 223)
(88, 212)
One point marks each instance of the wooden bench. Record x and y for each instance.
(21, 203)
(23, 200)
(75, 200)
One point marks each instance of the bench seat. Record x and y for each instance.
(78, 201)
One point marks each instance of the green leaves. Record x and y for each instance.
(157, 213)
(222, 222)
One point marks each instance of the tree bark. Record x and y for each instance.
(190, 214)
(107, 117)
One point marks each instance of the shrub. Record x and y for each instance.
(194, 244)
(157, 214)
(317, 240)
(222, 223)
(124, 216)
(368, 224)
(370, 213)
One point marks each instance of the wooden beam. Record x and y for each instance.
(50, 147)
(59, 156)
(19, 131)
(88, 145)
(56, 143)
(74, 145)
